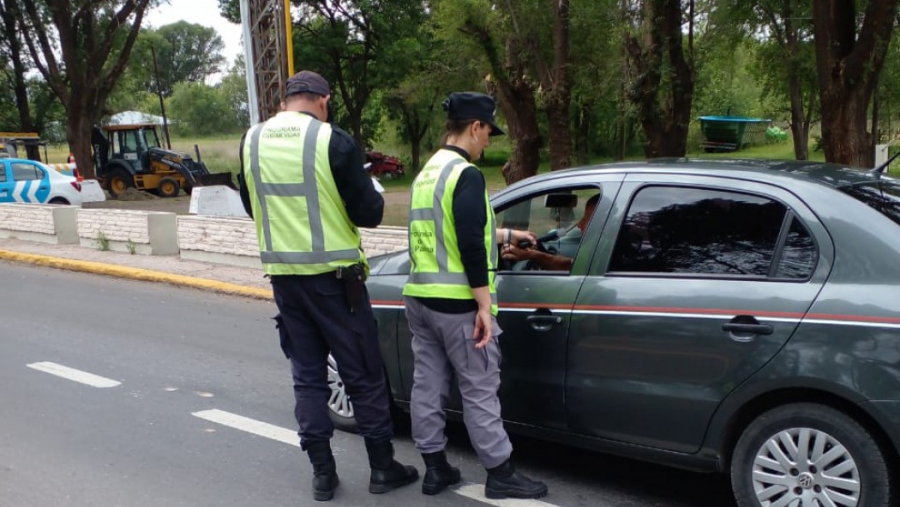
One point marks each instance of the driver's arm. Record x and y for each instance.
(545, 261)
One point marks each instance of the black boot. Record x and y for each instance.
(325, 479)
(438, 473)
(387, 473)
(504, 482)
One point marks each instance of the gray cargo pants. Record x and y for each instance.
(442, 344)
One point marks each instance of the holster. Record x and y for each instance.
(354, 279)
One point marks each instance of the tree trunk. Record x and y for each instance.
(560, 135)
(518, 106)
(559, 86)
(848, 67)
(799, 123)
(582, 140)
(81, 117)
(26, 124)
(844, 129)
(665, 125)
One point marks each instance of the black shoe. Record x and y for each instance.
(438, 473)
(325, 478)
(387, 473)
(504, 482)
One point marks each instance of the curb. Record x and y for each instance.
(139, 274)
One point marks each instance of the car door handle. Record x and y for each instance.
(543, 322)
(747, 328)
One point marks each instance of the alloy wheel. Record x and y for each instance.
(804, 467)
(338, 402)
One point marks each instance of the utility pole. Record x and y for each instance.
(162, 105)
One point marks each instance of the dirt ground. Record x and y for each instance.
(396, 204)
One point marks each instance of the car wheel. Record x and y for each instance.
(339, 406)
(168, 187)
(805, 455)
(58, 200)
(118, 182)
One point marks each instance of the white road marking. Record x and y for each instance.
(74, 375)
(242, 423)
(476, 492)
(286, 436)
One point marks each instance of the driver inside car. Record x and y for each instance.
(553, 261)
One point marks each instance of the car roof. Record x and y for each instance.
(828, 174)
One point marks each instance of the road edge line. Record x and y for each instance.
(140, 274)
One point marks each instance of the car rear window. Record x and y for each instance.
(882, 195)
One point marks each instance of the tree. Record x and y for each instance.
(662, 69)
(781, 34)
(186, 52)
(849, 59)
(478, 29)
(201, 110)
(14, 52)
(95, 38)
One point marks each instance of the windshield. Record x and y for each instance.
(882, 195)
(152, 140)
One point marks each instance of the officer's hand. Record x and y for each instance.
(482, 334)
(518, 236)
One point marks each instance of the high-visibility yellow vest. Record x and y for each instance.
(301, 222)
(436, 269)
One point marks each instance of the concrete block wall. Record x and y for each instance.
(223, 240)
(148, 232)
(384, 240)
(38, 222)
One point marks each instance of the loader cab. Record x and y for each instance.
(132, 144)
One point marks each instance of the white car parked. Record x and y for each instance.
(33, 182)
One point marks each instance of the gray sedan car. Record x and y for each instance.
(724, 316)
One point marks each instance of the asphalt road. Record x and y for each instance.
(130, 394)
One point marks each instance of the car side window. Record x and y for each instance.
(2, 173)
(798, 258)
(26, 172)
(558, 219)
(699, 231)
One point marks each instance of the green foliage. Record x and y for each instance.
(102, 242)
(197, 109)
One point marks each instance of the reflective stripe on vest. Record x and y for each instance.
(309, 190)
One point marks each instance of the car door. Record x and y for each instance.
(6, 183)
(699, 282)
(31, 183)
(536, 303)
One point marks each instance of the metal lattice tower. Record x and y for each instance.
(266, 31)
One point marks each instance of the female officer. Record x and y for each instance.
(451, 303)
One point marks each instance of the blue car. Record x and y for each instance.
(28, 181)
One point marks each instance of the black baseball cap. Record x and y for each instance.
(473, 106)
(306, 81)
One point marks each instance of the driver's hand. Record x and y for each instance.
(518, 236)
(511, 252)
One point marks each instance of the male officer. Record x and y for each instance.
(307, 191)
(451, 303)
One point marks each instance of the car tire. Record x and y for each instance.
(118, 182)
(767, 469)
(168, 187)
(340, 408)
(58, 200)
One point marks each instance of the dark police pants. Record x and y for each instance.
(315, 320)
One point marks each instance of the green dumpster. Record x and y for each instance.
(731, 133)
